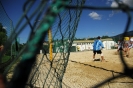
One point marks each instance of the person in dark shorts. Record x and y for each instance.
(97, 46)
(120, 45)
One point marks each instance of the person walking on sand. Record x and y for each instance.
(97, 46)
(120, 46)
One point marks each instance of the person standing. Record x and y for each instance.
(120, 45)
(97, 46)
(131, 43)
(128, 46)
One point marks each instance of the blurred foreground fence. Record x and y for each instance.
(6, 28)
(54, 36)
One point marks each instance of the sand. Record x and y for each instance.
(83, 72)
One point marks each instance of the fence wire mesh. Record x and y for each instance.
(6, 24)
(54, 36)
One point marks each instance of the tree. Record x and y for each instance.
(3, 34)
(104, 37)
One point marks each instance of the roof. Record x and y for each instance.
(91, 41)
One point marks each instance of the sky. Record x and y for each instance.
(92, 23)
(95, 23)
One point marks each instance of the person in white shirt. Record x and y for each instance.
(131, 43)
(127, 46)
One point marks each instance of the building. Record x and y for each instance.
(83, 45)
(78, 45)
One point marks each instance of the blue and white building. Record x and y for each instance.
(84, 45)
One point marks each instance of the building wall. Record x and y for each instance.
(89, 45)
(108, 44)
(83, 46)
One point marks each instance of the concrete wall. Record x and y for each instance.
(89, 46)
(83, 46)
(108, 44)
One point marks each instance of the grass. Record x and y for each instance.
(5, 58)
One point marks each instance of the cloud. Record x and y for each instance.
(128, 2)
(114, 12)
(108, 19)
(114, 4)
(5, 27)
(95, 16)
(111, 14)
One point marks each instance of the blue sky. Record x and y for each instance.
(92, 23)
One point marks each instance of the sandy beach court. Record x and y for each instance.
(83, 72)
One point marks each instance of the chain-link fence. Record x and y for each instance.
(6, 28)
(54, 36)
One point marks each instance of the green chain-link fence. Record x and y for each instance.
(7, 25)
(38, 70)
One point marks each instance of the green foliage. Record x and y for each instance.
(21, 46)
(8, 52)
(3, 35)
(104, 37)
(92, 38)
(3, 38)
(2, 29)
(5, 58)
